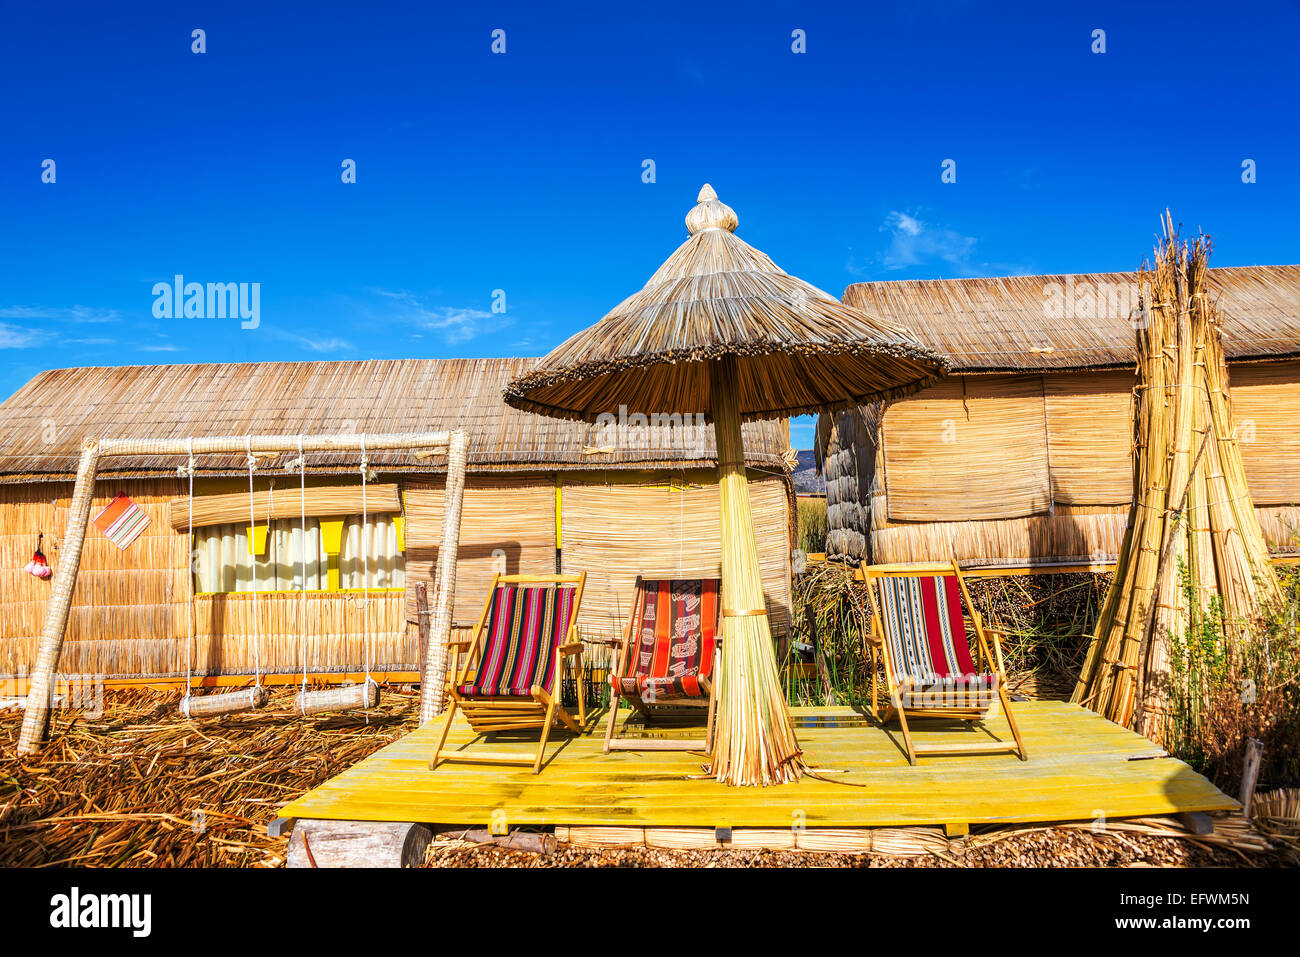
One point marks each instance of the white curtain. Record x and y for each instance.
(222, 562)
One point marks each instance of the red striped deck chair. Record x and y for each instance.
(919, 628)
(525, 641)
(665, 661)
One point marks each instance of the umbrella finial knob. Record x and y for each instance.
(711, 213)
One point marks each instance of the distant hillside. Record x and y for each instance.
(806, 479)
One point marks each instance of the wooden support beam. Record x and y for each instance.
(280, 826)
(1250, 774)
(956, 829)
(433, 669)
(357, 844)
(1197, 822)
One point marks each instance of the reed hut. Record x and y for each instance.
(542, 495)
(1022, 458)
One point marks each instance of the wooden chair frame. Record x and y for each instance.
(541, 709)
(621, 665)
(989, 651)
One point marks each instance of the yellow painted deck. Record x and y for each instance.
(1079, 765)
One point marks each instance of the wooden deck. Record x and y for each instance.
(1080, 765)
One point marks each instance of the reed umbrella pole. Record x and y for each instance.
(36, 716)
(754, 742)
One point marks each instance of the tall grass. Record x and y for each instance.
(813, 525)
(832, 614)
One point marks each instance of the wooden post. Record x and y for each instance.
(36, 718)
(357, 844)
(422, 618)
(1250, 774)
(433, 669)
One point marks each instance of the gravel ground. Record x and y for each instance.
(1046, 847)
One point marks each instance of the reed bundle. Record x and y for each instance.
(1277, 815)
(144, 787)
(1194, 555)
(754, 742)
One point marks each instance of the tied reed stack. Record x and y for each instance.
(721, 330)
(1193, 546)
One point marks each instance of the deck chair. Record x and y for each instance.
(918, 627)
(665, 661)
(515, 661)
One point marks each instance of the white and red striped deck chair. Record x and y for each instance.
(524, 643)
(919, 629)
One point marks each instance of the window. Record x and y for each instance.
(337, 552)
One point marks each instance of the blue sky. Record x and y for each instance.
(523, 172)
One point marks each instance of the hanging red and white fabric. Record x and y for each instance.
(38, 566)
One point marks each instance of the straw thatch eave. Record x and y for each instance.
(43, 425)
(1078, 321)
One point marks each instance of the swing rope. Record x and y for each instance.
(365, 581)
(301, 462)
(252, 561)
(188, 470)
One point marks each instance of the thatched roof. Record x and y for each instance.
(43, 425)
(1081, 321)
(798, 349)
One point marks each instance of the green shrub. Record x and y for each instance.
(1232, 680)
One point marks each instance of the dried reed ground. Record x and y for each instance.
(124, 790)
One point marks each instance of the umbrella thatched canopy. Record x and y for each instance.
(797, 349)
(721, 330)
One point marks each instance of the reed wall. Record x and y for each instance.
(998, 493)
(616, 531)
(129, 616)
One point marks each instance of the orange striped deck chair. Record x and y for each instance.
(524, 643)
(665, 662)
(919, 629)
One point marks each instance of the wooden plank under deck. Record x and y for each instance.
(1079, 765)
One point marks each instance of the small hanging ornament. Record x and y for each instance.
(38, 566)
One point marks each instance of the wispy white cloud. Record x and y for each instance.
(321, 344)
(59, 314)
(161, 347)
(16, 337)
(455, 323)
(914, 242)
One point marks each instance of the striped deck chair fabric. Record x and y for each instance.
(673, 645)
(525, 627)
(928, 641)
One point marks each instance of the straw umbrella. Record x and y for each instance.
(721, 330)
